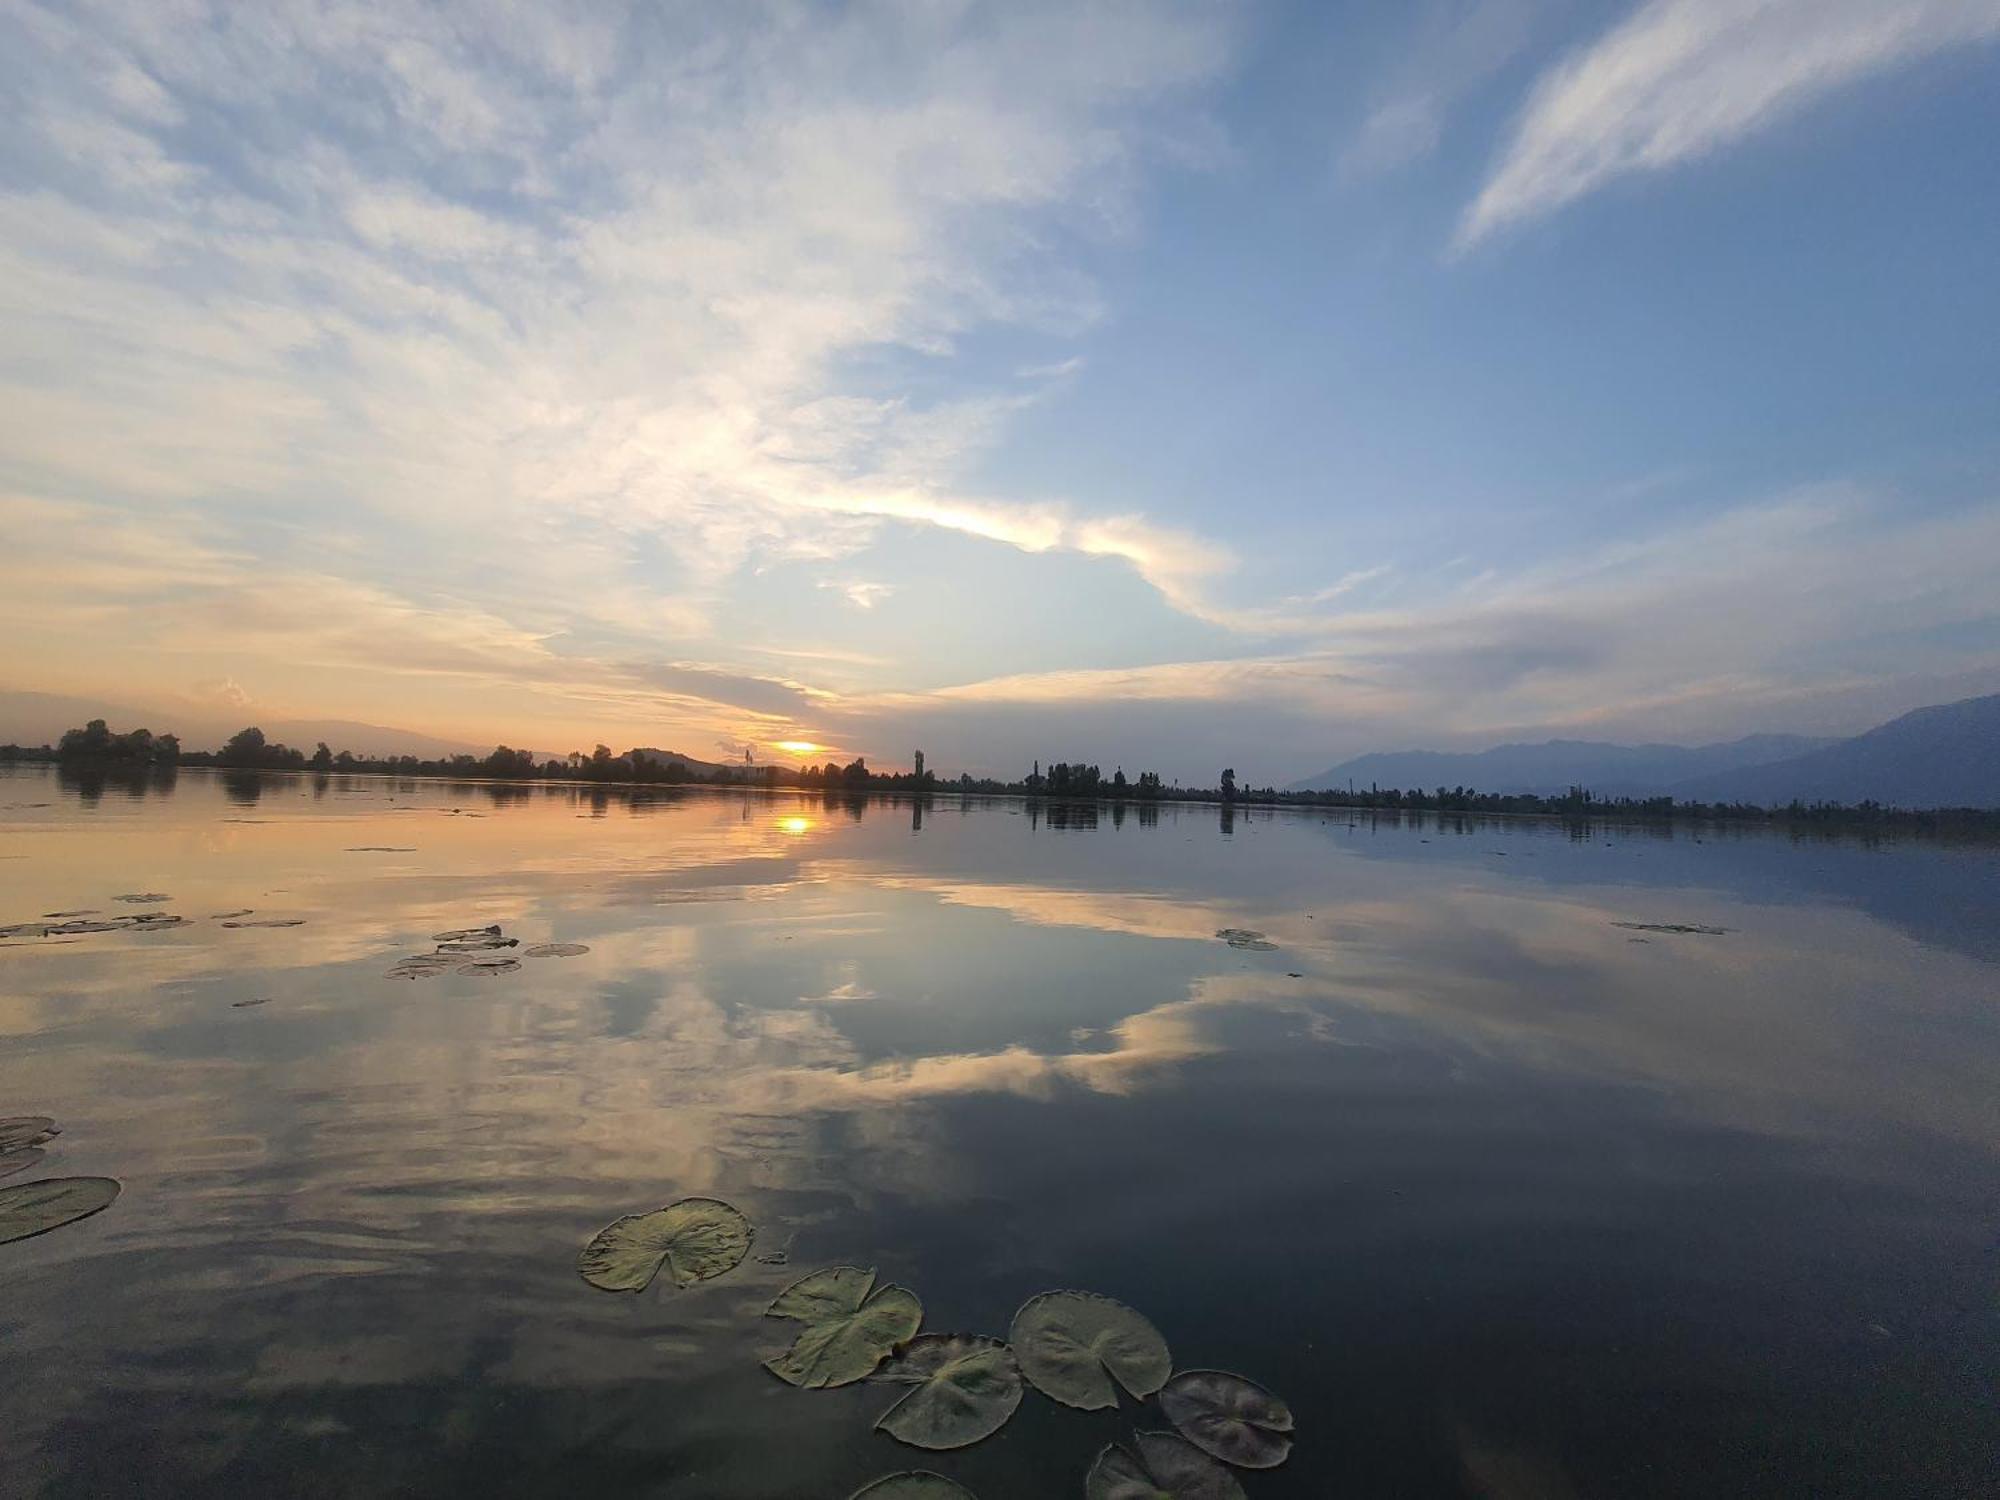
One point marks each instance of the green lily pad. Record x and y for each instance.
(1236, 1420)
(1071, 1344)
(966, 1389)
(918, 1484)
(32, 1208)
(19, 1159)
(1165, 1468)
(554, 950)
(26, 1130)
(851, 1326)
(695, 1239)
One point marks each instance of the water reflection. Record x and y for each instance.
(1467, 1174)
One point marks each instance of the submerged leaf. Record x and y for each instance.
(918, 1484)
(32, 1208)
(1235, 1419)
(966, 1389)
(19, 1159)
(849, 1331)
(554, 950)
(695, 1239)
(1165, 1468)
(26, 1130)
(1070, 1344)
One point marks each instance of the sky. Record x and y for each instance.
(1162, 386)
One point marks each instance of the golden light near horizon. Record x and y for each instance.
(799, 747)
(795, 825)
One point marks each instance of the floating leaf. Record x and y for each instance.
(383, 849)
(270, 922)
(143, 897)
(220, 915)
(554, 950)
(478, 945)
(26, 1130)
(966, 1389)
(1166, 1468)
(87, 926)
(32, 1208)
(695, 1239)
(19, 1159)
(1246, 937)
(1689, 927)
(1235, 1419)
(486, 968)
(461, 934)
(1070, 1344)
(423, 966)
(25, 929)
(849, 1331)
(246, 1004)
(918, 1484)
(82, 911)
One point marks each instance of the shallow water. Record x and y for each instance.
(1504, 1198)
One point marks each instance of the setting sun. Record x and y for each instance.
(798, 747)
(795, 825)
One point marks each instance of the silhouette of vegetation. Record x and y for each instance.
(98, 751)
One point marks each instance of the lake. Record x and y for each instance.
(1504, 1190)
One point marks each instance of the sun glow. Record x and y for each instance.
(798, 747)
(795, 825)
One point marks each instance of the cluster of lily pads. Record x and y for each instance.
(31, 1208)
(480, 952)
(1077, 1348)
(59, 924)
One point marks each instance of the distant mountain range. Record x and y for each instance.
(1944, 756)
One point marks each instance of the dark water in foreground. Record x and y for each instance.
(1505, 1199)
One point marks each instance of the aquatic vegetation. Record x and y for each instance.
(554, 950)
(144, 897)
(917, 1484)
(26, 1130)
(1247, 938)
(31, 1208)
(224, 915)
(466, 934)
(1165, 1468)
(247, 1004)
(967, 1386)
(19, 1159)
(82, 911)
(851, 1326)
(1686, 927)
(1072, 1344)
(270, 922)
(423, 966)
(383, 849)
(695, 1239)
(486, 968)
(478, 945)
(1234, 1419)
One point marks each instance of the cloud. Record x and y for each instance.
(860, 593)
(1680, 79)
(1457, 47)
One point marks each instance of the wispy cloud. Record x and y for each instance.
(1680, 79)
(1459, 44)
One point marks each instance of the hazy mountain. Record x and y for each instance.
(675, 758)
(1554, 766)
(1944, 756)
(40, 719)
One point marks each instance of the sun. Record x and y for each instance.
(798, 747)
(795, 826)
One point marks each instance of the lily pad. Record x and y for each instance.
(86, 925)
(81, 911)
(1686, 927)
(423, 966)
(1247, 938)
(967, 1387)
(25, 929)
(19, 1159)
(461, 934)
(851, 1326)
(918, 1484)
(383, 849)
(32, 1208)
(1071, 1344)
(221, 915)
(270, 922)
(26, 1130)
(478, 945)
(695, 1239)
(1165, 1468)
(142, 898)
(1236, 1420)
(554, 950)
(486, 968)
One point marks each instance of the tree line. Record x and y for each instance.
(140, 750)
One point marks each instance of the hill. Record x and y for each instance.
(1944, 756)
(1552, 767)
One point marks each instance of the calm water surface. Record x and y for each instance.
(1506, 1199)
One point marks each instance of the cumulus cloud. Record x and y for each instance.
(1680, 79)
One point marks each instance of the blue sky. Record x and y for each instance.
(1161, 385)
